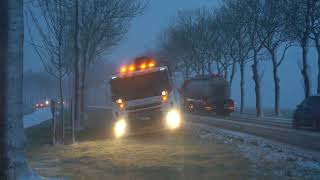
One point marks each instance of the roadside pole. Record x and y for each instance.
(53, 111)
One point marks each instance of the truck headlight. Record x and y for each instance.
(173, 119)
(120, 128)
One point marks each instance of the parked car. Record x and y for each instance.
(308, 113)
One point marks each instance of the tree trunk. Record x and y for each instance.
(76, 73)
(233, 71)
(242, 93)
(256, 79)
(276, 81)
(226, 72)
(3, 65)
(61, 115)
(218, 67)
(82, 88)
(186, 72)
(304, 70)
(13, 161)
(318, 51)
(53, 127)
(203, 69)
(318, 87)
(61, 136)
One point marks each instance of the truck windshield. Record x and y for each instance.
(140, 86)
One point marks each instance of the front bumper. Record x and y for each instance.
(151, 120)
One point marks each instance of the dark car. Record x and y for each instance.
(308, 113)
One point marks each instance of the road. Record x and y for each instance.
(197, 152)
(308, 140)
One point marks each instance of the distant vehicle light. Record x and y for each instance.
(41, 105)
(47, 102)
(173, 119)
(120, 128)
(164, 98)
(162, 69)
(163, 93)
(132, 68)
(113, 77)
(151, 65)
(37, 105)
(143, 66)
(123, 69)
(119, 101)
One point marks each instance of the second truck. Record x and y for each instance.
(207, 94)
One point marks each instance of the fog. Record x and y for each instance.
(144, 34)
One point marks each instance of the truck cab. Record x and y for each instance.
(144, 97)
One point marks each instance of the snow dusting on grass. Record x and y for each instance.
(281, 160)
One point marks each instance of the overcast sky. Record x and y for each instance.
(145, 30)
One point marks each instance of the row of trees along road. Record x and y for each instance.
(242, 32)
(70, 35)
(53, 46)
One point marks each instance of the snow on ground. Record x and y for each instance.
(279, 159)
(37, 117)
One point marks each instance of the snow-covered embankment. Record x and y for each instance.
(37, 117)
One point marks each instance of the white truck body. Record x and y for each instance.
(144, 99)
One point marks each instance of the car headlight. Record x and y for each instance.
(173, 119)
(120, 128)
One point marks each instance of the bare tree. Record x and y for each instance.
(242, 44)
(12, 160)
(53, 45)
(226, 43)
(299, 25)
(252, 16)
(3, 66)
(274, 38)
(102, 25)
(177, 47)
(315, 21)
(76, 74)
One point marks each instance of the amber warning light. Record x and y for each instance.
(141, 67)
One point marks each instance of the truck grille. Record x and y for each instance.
(145, 118)
(143, 106)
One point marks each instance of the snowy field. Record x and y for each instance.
(37, 117)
